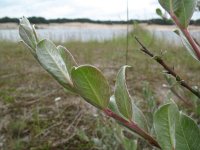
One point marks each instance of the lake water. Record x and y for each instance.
(67, 34)
(171, 38)
(82, 34)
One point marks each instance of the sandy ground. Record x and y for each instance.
(95, 26)
(8, 26)
(66, 25)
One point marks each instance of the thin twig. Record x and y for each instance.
(181, 98)
(168, 69)
(79, 115)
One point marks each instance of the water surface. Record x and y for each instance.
(63, 35)
(87, 34)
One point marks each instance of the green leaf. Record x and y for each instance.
(67, 58)
(159, 12)
(91, 84)
(182, 9)
(139, 118)
(57, 61)
(27, 33)
(187, 44)
(113, 106)
(28, 37)
(164, 124)
(35, 34)
(187, 134)
(24, 21)
(122, 95)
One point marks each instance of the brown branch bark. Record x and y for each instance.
(168, 69)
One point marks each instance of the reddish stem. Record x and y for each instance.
(185, 31)
(132, 126)
(192, 42)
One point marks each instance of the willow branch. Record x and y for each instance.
(168, 69)
(133, 127)
(185, 31)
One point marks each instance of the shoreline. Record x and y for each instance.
(67, 25)
(7, 26)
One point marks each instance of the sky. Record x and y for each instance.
(92, 9)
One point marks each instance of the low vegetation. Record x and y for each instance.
(144, 109)
(36, 113)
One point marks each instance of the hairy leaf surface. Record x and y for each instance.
(67, 58)
(186, 43)
(113, 106)
(57, 61)
(187, 134)
(164, 124)
(139, 117)
(122, 95)
(27, 35)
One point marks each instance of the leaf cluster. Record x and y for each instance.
(173, 129)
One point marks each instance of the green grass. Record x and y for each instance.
(33, 120)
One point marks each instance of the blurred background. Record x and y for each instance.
(80, 20)
(37, 113)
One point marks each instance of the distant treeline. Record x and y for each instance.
(41, 20)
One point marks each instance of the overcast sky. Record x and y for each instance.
(93, 9)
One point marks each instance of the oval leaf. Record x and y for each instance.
(113, 106)
(27, 34)
(164, 125)
(182, 9)
(25, 22)
(122, 95)
(54, 61)
(186, 43)
(139, 118)
(67, 58)
(159, 12)
(28, 37)
(187, 134)
(91, 85)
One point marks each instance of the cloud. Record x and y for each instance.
(93, 9)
